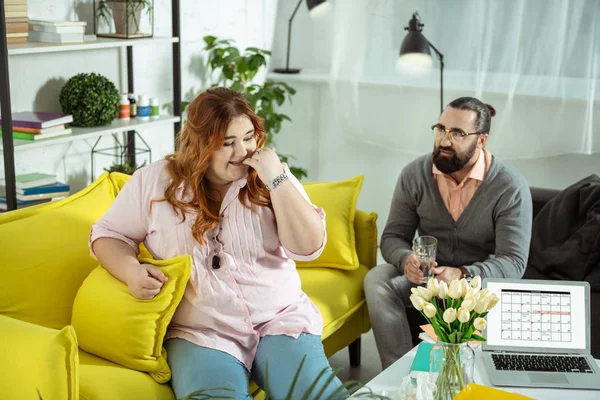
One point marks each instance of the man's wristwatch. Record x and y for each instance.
(464, 273)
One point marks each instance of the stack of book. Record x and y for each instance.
(16, 21)
(57, 31)
(32, 125)
(35, 188)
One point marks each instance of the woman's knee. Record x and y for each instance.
(196, 368)
(306, 358)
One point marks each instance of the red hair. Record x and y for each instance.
(208, 117)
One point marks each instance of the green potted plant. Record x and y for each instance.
(124, 167)
(126, 15)
(236, 70)
(92, 99)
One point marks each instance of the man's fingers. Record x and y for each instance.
(414, 279)
(436, 271)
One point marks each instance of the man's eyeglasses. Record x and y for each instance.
(456, 135)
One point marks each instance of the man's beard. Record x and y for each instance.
(455, 162)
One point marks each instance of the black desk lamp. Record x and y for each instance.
(316, 8)
(415, 54)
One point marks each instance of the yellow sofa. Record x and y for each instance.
(44, 259)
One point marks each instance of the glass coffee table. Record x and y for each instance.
(388, 381)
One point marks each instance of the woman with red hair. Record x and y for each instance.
(244, 218)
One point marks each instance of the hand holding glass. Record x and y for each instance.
(425, 248)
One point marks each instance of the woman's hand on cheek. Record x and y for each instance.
(266, 163)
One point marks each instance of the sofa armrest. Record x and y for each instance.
(365, 231)
(540, 196)
(36, 359)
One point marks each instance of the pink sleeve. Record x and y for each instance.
(319, 210)
(126, 218)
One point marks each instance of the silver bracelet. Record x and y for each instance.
(276, 182)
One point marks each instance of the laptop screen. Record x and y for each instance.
(537, 315)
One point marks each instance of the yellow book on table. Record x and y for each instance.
(477, 392)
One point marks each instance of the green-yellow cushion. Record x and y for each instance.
(114, 325)
(35, 358)
(338, 199)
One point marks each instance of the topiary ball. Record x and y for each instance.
(92, 99)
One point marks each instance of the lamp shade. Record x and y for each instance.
(415, 56)
(318, 8)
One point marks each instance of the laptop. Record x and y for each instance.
(538, 335)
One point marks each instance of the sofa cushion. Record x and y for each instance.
(114, 325)
(365, 229)
(565, 240)
(49, 254)
(337, 294)
(37, 359)
(338, 199)
(101, 379)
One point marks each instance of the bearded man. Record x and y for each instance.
(477, 207)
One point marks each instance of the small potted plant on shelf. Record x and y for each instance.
(126, 15)
(91, 98)
(124, 167)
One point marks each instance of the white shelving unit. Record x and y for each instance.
(9, 145)
(100, 43)
(117, 126)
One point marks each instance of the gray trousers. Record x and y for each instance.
(387, 292)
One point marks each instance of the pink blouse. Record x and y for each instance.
(256, 291)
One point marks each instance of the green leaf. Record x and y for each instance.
(242, 65)
(295, 379)
(209, 40)
(237, 86)
(228, 72)
(477, 337)
(233, 51)
(469, 332)
(452, 337)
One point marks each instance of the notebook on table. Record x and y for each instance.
(538, 335)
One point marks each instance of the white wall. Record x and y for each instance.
(394, 117)
(36, 80)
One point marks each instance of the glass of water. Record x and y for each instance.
(425, 248)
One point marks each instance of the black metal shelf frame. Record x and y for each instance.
(130, 147)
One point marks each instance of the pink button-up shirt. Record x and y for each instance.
(257, 290)
(456, 196)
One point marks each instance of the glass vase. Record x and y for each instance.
(453, 363)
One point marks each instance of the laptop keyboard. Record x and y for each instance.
(531, 362)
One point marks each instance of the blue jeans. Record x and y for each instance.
(195, 368)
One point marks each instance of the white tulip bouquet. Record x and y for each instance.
(455, 312)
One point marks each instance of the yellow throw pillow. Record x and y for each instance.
(338, 199)
(114, 325)
(37, 359)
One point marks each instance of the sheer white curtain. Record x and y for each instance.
(536, 61)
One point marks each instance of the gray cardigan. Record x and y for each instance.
(491, 237)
